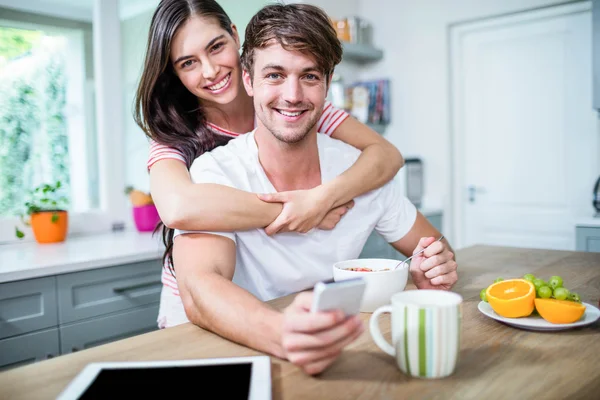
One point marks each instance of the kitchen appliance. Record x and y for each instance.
(596, 197)
(414, 180)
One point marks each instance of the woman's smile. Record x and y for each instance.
(221, 86)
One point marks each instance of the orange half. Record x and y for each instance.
(559, 311)
(512, 298)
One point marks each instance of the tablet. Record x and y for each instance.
(247, 378)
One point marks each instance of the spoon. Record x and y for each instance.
(416, 254)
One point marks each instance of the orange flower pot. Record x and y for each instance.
(47, 231)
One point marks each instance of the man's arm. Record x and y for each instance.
(421, 228)
(204, 266)
(436, 267)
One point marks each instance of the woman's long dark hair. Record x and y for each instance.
(165, 110)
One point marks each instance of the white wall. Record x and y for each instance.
(336, 8)
(134, 35)
(240, 12)
(414, 36)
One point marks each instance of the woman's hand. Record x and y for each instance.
(304, 210)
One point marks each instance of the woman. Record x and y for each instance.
(191, 99)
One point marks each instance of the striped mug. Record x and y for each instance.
(425, 332)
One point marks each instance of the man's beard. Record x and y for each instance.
(299, 132)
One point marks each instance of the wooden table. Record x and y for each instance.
(496, 361)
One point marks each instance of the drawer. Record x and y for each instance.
(27, 306)
(26, 349)
(97, 331)
(101, 291)
(588, 239)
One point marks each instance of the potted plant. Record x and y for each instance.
(45, 211)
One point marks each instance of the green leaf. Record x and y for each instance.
(18, 233)
(54, 218)
(58, 184)
(33, 209)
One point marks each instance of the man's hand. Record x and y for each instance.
(313, 341)
(435, 268)
(304, 210)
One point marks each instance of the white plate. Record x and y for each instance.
(537, 323)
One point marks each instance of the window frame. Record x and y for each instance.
(108, 136)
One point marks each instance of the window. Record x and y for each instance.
(47, 124)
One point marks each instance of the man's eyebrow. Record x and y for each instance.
(273, 66)
(311, 69)
(205, 48)
(280, 68)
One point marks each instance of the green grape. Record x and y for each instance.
(574, 297)
(498, 280)
(529, 277)
(538, 283)
(482, 295)
(544, 292)
(561, 293)
(555, 282)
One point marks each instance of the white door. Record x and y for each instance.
(525, 138)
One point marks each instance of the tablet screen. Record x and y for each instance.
(229, 381)
(247, 378)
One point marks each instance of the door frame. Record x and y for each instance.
(456, 119)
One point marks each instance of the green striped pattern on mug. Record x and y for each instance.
(428, 341)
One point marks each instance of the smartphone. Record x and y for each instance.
(343, 295)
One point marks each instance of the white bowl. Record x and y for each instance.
(381, 285)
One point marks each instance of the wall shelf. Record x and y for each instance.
(361, 53)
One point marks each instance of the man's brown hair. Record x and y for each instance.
(297, 27)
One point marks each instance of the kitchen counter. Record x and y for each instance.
(495, 361)
(32, 260)
(590, 222)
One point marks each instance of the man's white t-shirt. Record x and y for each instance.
(285, 263)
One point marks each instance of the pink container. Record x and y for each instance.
(145, 218)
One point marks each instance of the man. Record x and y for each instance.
(224, 278)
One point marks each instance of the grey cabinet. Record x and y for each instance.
(97, 292)
(45, 317)
(587, 239)
(378, 247)
(436, 220)
(97, 331)
(26, 349)
(26, 306)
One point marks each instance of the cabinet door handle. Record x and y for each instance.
(133, 287)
